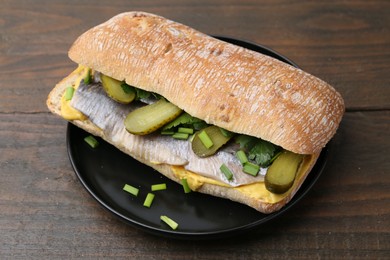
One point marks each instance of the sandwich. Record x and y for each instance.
(225, 120)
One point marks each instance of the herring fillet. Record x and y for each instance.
(109, 116)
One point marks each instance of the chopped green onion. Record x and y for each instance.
(186, 188)
(171, 223)
(88, 77)
(167, 132)
(242, 157)
(131, 189)
(91, 141)
(69, 93)
(181, 136)
(205, 139)
(185, 130)
(226, 171)
(161, 186)
(251, 168)
(148, 200)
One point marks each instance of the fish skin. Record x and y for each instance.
(109, 116)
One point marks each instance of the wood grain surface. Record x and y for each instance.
(46, 214)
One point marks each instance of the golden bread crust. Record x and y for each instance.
(226, 85)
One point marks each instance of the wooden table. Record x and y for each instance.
(45, 212)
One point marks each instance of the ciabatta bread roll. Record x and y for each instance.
(234, 88)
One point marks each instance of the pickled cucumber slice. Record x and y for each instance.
(281, 174)
(217, 137)
(149, 118)
(114, 90)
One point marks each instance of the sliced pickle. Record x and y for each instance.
(114, 90)
(149, 118)
(216, 136)
(281, 174)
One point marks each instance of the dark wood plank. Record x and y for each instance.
(47, 214)
(344, 43)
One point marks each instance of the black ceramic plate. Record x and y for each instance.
(104, 171)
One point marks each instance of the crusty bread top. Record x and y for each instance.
(225, 85)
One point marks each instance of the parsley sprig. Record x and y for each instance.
(259, 151)
(185, 120)
(140, 93)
